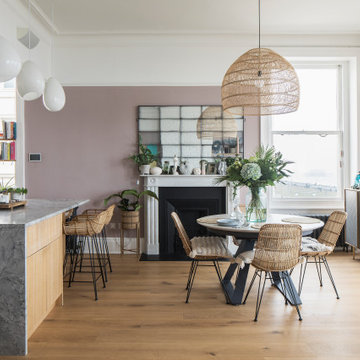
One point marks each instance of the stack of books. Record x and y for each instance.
(8, 130)
(7, 151)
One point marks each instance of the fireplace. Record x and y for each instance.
(190, 203)
(191, 196)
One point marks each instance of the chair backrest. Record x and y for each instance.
(278, 247)
(182, 233)
(109, 214)
(332, 229)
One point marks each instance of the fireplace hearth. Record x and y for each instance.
(189, 203)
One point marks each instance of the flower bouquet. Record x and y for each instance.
(265, 168)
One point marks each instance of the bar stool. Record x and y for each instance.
(105, 253)
(85, 234)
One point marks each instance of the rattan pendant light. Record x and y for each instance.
(260, 82)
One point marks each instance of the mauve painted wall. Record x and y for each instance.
(85, 146)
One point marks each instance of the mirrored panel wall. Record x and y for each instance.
(192, 133)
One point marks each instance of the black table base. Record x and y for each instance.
(234, 293)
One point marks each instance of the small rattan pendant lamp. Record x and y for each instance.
(260, 82)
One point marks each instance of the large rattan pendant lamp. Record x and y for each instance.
(260, 82)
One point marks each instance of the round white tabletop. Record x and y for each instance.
(254, 228)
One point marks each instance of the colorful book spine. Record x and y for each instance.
(12, 151)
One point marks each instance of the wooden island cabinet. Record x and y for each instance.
(32, 247)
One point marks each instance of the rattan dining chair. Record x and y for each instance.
(319, 248)
(201, 249)
(277, 250)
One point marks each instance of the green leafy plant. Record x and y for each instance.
(144, 157)
(4, 188)
(265, 168)
(130, 199)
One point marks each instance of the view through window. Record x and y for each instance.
(312, 137)
(7, 132)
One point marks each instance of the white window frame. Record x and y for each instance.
(343, 151)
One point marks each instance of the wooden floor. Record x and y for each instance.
(142, 315)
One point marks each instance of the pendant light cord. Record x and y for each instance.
(29, 29)
(259, 20)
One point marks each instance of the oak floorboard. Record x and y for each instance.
(141, 314)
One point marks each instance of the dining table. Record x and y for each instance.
(246, 236)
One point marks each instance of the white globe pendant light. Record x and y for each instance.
(54, 95)
(10, 62)
(30, 82)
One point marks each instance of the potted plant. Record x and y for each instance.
(144, 158)
(129, 205)
(18, 194)
(265, 168)
(5, 192)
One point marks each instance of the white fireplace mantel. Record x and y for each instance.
(151, 213)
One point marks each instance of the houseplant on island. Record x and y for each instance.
(265, 168)
(129, 203)
(144, 158)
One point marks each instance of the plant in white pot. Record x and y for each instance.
(5, 193)
(143, 159)
(18, 194)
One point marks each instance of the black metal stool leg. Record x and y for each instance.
(92, 264)
(302, 275)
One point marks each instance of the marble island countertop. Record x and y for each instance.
(37, 210)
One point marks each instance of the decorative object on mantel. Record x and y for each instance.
(203, 166)
(196, 171)
(144, 158)
(129, 206)
(155, 170)
(185, 168)
(260, 82)
(175, 166)
(265, 168)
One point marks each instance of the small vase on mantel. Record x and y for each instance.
(256, 205)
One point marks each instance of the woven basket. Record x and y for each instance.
(130, 220)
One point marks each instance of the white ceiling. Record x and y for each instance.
(200, 16)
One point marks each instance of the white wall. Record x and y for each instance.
(12, 15)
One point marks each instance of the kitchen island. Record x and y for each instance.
(31, 268)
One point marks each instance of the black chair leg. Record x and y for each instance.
(190, 274)
(218, 272)
(327, 267)
(302, 275)
(259, 295)
(192, 281)
(250, 286)
(285, 279)
(318, 269)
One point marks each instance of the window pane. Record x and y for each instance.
(318, 108)
(316, 166)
